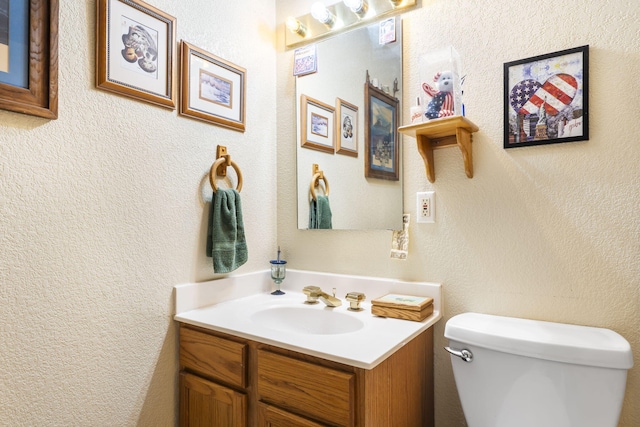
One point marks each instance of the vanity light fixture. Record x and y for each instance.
(339, 16)
(359, 7)
(297, 27)
(320, 12)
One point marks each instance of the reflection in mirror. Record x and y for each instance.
(331, 117)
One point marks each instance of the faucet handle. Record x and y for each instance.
(312, 293)
(355, 298)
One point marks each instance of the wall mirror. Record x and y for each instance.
(333, 112)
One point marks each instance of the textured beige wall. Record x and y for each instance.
(101, 214)
(547, 232)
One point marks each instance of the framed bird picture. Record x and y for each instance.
(546, 99)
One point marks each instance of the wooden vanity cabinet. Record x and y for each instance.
(230, 381)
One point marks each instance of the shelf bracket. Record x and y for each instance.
(442, 133)
(426, 151)
(464, 139)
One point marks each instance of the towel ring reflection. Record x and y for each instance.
(224, 161)
(315, 181)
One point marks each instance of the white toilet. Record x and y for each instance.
(517, 372)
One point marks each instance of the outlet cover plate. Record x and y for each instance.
(426, 206)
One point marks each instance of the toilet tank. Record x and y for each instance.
(530, 373)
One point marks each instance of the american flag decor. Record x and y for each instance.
(546, 99)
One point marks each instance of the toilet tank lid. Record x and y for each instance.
(583, 345)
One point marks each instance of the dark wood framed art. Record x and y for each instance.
(381, 152)
(29, 73)
(546, 99)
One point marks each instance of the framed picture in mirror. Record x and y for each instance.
(381, 134)
(316, 125)
(347, 129)
(29, 57)
(135, 51)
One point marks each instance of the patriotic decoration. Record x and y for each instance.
(556, 93)
(441, 104)
(546, 98)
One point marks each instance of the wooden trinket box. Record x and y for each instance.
(407, 307)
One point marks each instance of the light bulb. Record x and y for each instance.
(295, 26)
(359, 7)
(320, 12)
(354, 5)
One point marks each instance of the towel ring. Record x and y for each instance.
(315, 181)
(226, 161)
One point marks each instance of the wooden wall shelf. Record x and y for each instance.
(442, 133)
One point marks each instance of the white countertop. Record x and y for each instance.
(366, 347)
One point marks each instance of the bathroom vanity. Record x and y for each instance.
(263, 360)
(230, 381)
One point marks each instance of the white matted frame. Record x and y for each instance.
(316, 125)
(135, 51)
(211, 88)
(347, 129)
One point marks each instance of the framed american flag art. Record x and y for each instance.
(546, 99)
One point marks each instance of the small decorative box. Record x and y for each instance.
(405, 307)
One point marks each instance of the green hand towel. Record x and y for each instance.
(320, 213)
(226, 243)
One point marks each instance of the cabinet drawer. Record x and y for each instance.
(311, 390)
(270, 416)
(214, 357)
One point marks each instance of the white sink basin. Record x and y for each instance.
(240, 306)
(303, 320)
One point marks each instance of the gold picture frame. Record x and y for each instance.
(347, 128)
(317, 125)
(135, 44)
(39, 97)
(212, 89)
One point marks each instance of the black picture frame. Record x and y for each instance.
(546, 99)
(381, 151)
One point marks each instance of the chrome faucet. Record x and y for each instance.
(314, 293)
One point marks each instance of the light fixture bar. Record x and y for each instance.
(344, 19)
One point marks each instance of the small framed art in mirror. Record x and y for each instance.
(316, 125)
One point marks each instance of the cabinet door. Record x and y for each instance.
(270, 416)
(204, 404)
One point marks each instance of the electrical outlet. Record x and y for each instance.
(425, 206)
